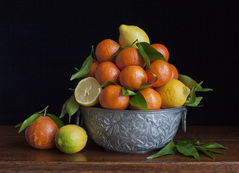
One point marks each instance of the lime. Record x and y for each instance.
(71, 139)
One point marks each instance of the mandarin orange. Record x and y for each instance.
(152, 98)
(132, 77)
(174, 72)
(105, 49)
(129, 56)
(111, 97)
(93, 67)
(162, 49)
(162, 70)
(107, 71)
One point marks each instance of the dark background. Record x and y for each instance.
(42, 42)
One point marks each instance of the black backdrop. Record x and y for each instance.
(42, 42)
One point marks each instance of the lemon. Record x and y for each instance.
(129, 33)
(87, 91)
(71, 139)
(174, 93)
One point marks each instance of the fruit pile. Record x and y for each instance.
(132, 74)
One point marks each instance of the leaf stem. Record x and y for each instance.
(45, 110)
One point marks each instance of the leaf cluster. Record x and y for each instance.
(189, 148)
(193, 100)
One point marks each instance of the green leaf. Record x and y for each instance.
(29, 121)
(206, 152)
(138, 100)
(151, 52)
(84, 70)
(118, 51)
(187, 148)
(127, 92)
(57, 120)
(107, 83)
(144, 54)
(146, 85)
(188, 81)
(213, 145)
(70, 107)
(195, 103)
(168, 149)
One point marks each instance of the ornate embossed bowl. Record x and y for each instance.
(132, 131)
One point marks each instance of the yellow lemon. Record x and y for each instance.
(174, 94)
(71, 139)
(87, 91)
(129, 33)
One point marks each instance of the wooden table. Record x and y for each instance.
(17, 156)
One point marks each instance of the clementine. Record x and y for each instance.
(129, 56)
(93, 67)
(132, 77)
(105, 49)
(174, 72)
(162, 49)
(152, 98)
(107, 71)
(111, 97)
(162, 70)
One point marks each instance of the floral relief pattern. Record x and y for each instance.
(130, 131)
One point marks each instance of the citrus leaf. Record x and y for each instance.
(168, 149)
(85, 68)
(127, 92)
(146, 85)
(213, 145)
(144, 54)
(57, 120)
(138, 100)
(107, 83)
(196, 102)
(29, 121)
(206, 152)
(118, 51)
(187, 148)
(151, 52)
(188, 81)
(70, 107)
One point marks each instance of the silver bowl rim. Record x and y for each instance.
(132, 111)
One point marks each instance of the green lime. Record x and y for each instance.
(71, 139)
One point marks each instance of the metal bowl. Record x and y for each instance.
(132, 131)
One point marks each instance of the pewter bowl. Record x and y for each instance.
(132, 131)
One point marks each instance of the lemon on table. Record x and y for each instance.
(129, 33)
(87, 92)
(71, 139)
(174, 93)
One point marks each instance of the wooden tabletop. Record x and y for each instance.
(17, 156)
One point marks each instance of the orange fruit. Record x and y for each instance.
(152, 98)
(93, 67)
(162, 49)
(105, 49)
(132, 77)
(41, 134)
(111, 97)
(107, 71)
(162, 70)
(174, 72)
(129, 56)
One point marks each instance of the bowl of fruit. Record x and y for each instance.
(130, 98)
